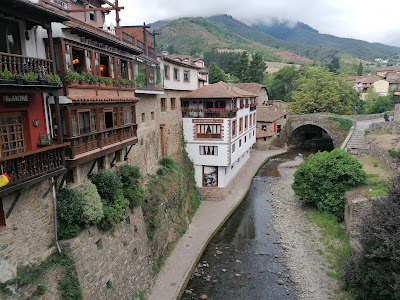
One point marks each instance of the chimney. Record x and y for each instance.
(230, 85)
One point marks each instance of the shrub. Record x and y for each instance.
(163, 170)
(69, 206)
(113, 212)
(135, 196)
(167, 162)
(68, 231)
(129, 175)
(108, 183)
(324, 178)
(72, 76)
(341, 123)
(393, 153)
(92, 207)
(374, 273)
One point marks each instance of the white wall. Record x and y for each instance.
(180, 85)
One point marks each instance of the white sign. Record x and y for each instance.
(59, 3)
(15, 98)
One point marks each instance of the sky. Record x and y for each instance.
(372, 21)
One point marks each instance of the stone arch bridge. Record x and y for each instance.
(315, 130)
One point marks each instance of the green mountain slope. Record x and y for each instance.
(302, 33)
(194, 36)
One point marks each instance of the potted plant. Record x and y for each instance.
(44, 140)
(101, 80)
(72, 77)
(140, 79)
(130, 83)
(53, 79)
(108, 81)
(6, 77)
(116, 82)
(40, 71)
(31, 78)
(19, 79)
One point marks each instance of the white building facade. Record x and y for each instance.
(219, 123)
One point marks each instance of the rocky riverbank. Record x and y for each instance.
(300, 240)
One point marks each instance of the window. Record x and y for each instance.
(278, 128)
(284, 116)
(264, 127)
(245, 139)
(233, 147)
(233, 127)
(186, 75)
(173, 103)
(167, 70)
(143, 117)
(11, 134)
(210, 176)
(246, 121)
(152, 115)
(84, 122)
(108, 117)
(124, 69)
(163, 104)
(208, 150)
(10, 41)
(240, 143)
(240, 124)
(176, 74)
(208, 130)
(92, 16)
(127, 115)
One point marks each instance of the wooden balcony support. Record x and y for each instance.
(205, 113)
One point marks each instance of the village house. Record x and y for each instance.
(363, 83)
(271, 120)
(219, 130)
(258, 89)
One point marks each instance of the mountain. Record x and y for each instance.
(302, 33)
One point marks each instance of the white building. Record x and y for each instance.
(219, 123)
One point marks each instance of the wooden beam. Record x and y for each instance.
(13, 204)
(127, 152)
(94, 9)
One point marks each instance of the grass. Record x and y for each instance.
(341, 123)
(337, 246)
(376, 187)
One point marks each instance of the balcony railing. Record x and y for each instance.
(140, 44)
(208, 113)
(128, 38)
(151, 52)
(18, 64)
(97, 140)
(30, 165)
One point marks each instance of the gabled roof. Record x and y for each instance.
(179, 60)
(219, 90)
(250, 86)
(264, 114)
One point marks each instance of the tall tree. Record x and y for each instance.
(281, 85)
(360, 69)
(334, 65)
(318, 90)
(215, 73)
(256, 69)
(243, 67)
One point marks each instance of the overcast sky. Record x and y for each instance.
(373, 21)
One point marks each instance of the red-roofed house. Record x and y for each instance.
(259, 89)
(219, 122)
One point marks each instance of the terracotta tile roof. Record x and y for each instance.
(179, 59)
(262, 133)
(269, 115)
(250, 87)
(395, 80)
(392, 68)
(218, 90)
(78, 99)
(369, 80)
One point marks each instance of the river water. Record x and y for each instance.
(243, 260)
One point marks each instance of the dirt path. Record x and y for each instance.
(300, 240)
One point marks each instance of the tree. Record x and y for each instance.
(281, 85)
(256, 69)
(215, 74)
(334, 65)
(375, 104)
(318, 90)
(324, 178)
(374, 272)
(243, 67)
(360, 69)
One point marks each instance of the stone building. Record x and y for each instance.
(271, 120)
(219, 130)
(259, 89)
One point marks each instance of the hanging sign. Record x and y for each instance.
(15, 101)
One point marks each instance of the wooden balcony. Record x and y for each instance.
(29, 168)
(92, 145)
(207, 113)
(18, 64)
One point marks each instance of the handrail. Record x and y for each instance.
(51, 147)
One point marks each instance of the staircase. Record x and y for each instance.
(357, 143)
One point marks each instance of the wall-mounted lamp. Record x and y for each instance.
(35, 123)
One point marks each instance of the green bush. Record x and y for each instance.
(68, 231)
(129, 175)
(113, 212)
(135, 196)
(324, 178)
(374, 273)
(69, 206)
(107, 183)
(344, 124)
(92, 207)
(168, 162)
(393, 153)
(163, 170)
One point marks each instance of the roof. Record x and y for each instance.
(262, 133)
(395, 80)
(82, 99)
(250, 86)
(388, 69)
(179, 60)
(35, 12)
(264, 114)
(217, 90)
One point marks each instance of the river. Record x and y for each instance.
(243, 260)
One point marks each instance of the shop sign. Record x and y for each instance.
(207, 121)
(59, 3)
(15, 101)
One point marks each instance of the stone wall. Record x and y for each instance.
(114, 264)
(396, 116)
(29, 229)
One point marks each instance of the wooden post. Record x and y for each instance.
(51, 45)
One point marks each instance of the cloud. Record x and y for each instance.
(368, 20)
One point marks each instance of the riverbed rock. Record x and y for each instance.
(203, 297)
(219, 252)
(188, 292)
(280, 282)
